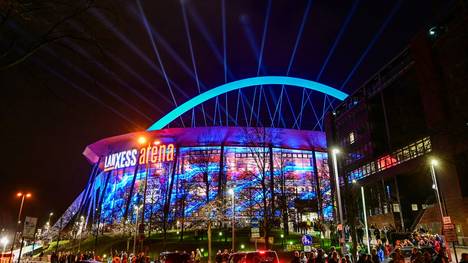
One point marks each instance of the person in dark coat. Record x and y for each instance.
(296, 258)
(374, 258)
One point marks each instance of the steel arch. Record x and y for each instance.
(243, 83)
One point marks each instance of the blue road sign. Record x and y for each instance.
(306, 240)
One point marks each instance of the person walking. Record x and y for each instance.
(464, 258)
(374, 257)
(198, 256)
(334, 258)
(296, 258)
(320, 256)
(219, 257)
(441, 256)
(312, 258)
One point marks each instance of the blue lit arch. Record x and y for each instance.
(243, 83)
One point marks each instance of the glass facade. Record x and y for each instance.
(199, 182)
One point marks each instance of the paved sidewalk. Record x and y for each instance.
(460, 250)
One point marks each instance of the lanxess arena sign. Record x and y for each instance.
(146, 155)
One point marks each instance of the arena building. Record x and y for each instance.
(147, 169)
(187, 175)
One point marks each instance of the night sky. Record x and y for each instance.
(74, 91)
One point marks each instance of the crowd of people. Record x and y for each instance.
(416, 256)
(69, 257)
(222, 257)
(387, 246)
(194, 256)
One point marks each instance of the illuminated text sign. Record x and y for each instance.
(146, 155)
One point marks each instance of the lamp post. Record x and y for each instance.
(23, 197)
(50, 217)
(231, 192)
(364, 211)
(282, 241)
(435, 186)
(137, 211)
(48, 221)
(80, 230)
(335, 151)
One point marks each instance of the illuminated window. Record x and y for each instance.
(351, 137)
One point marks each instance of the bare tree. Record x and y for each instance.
(154, 198)
(259, 143)
(181, 200)
(27, 26)
(280, 165)
(202, 160)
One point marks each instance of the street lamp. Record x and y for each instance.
(80, 231)
(336, 151)
(231, 192)
(137, 211)
(364, 210)
(23, 197)
(435, 162)
(48, 221)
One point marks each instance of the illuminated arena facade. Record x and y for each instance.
(172, 176)
(136, 169)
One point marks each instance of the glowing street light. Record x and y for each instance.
(336, 151)
(434, 162)
(231, 192)
(23, 196)
(48, 221)
(80, 231)
(364, 210)
(142, 140)
(137, 212)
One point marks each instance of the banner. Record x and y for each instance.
(29, 228)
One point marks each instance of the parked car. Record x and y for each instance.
(261, 256)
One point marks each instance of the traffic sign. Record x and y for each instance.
(255, 232)
(448, 227)
(307, 248)
(254, 228)
(29, 229)
(449, 232)
(450, 235)
(447, 220)
(254, 222)
(306, 240)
